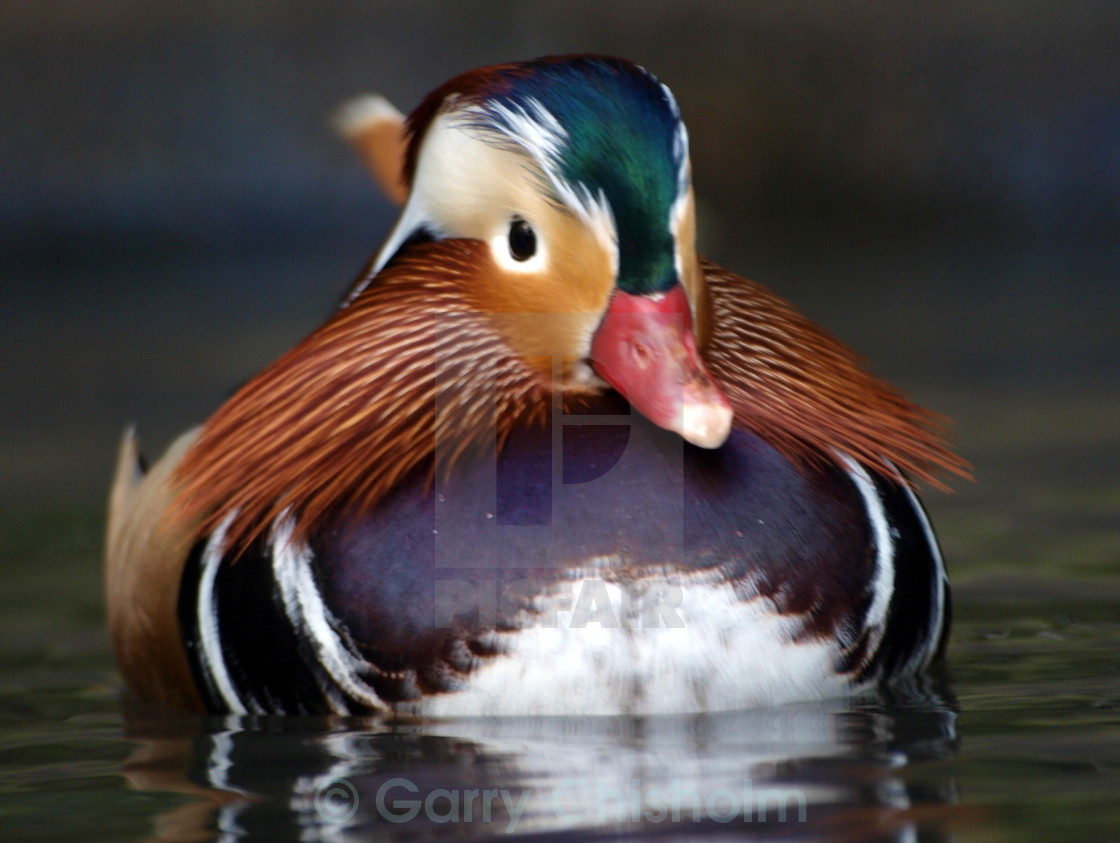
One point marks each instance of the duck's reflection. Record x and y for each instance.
(844, 769)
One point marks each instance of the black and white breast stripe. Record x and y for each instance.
(261, 639)
(907, 622)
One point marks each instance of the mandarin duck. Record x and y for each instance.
(543, 459)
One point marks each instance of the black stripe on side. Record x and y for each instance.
(918, 583)
(271, 668)
(267, 661)
(187, 610)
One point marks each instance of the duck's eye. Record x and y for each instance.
(522, 240)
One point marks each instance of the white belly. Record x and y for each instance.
(689, 647)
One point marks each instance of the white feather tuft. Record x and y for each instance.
(364, 112)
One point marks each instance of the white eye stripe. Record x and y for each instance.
(533, 129)
(470, 184)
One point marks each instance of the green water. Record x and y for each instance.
(1020, 742)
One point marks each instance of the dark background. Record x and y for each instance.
(939, 184)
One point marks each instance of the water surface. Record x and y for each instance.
(1020, 739)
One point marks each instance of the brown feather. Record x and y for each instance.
(412, 372)
(143, 567)
(411, 369)
(808, 394)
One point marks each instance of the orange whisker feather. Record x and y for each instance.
(412, 374)
(347, 413)
(809, 395)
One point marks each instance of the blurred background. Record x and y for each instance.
(939, 184)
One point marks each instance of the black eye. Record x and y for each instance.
(522, 240)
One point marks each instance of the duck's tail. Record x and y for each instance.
(144, 558)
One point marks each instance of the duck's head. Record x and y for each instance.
(574, 172)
